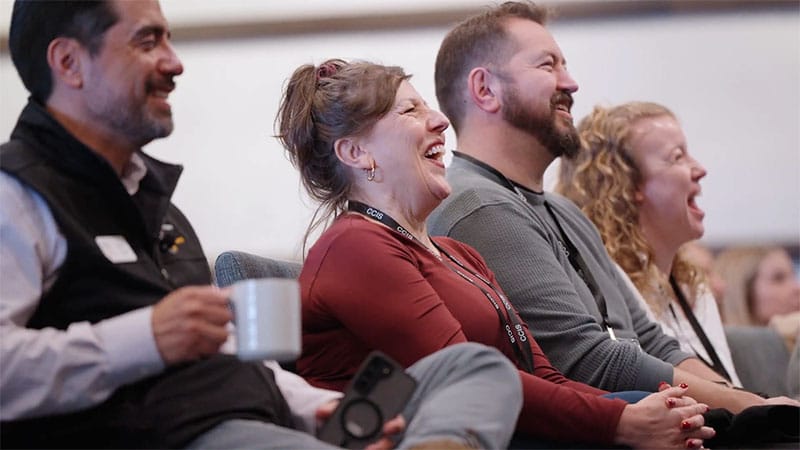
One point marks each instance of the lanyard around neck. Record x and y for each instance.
(515, 332)
(504, 180)
(575, 259)
(698, 330)
(382, 217)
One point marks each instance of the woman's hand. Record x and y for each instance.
(665, 419)
(392, 427)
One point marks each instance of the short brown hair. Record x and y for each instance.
(35, 24)
(325, 103)
(478, 40)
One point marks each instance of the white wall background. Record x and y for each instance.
(733, 79)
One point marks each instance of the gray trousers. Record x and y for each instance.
(467, 393)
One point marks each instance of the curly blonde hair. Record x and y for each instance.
(602, 180)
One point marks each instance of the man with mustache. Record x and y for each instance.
(502, 81)
(111, 333)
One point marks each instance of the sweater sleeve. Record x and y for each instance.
(554, 302)
(542, 366)
(559, 413)
(651, 336)
(575, 411)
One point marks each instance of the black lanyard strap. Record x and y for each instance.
(696, 354)
(698, 330)
(574, 257)
(515, 330)
(577, 262)
(517, 336)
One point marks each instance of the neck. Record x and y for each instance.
(664, 264)
(663, 253)
(519, 156)
(94, 136)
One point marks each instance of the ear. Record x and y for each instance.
(352, 154)
(64, 56)
(483, 89)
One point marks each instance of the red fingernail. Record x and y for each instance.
(693, 444)
(707, 408)
(685, 425)
(684, 385)
(662, 384)
(671, 402)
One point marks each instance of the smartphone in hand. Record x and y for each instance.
(377, 393)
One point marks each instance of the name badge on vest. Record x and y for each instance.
(116, 249)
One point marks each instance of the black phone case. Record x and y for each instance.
(378, 392)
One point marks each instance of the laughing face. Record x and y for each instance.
(670, 182)
(128, 81)
(407, 145)
(537, 91)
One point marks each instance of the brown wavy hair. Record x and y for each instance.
(602, 180)
(322, 104)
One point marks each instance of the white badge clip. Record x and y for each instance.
(611, 333)
(116, 249)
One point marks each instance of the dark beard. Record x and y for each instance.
(543, 127)
(130, 117)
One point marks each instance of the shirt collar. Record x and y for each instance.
(133, 173)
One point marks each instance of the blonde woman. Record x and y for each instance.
(636, 180)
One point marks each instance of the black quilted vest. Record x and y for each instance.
(88, 201)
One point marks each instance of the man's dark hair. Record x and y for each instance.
(35, 23)
(479, 40)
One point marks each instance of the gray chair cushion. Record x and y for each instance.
(760, 358)
(234, 266)
(793, 373)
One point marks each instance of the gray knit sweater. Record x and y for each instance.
(521, 243)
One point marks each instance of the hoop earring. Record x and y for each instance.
(371, 172)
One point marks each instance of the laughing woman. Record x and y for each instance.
(370, 150)
(637, 182)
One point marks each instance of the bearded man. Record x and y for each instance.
(502, 81)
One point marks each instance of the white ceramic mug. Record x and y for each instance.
(267, 318)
